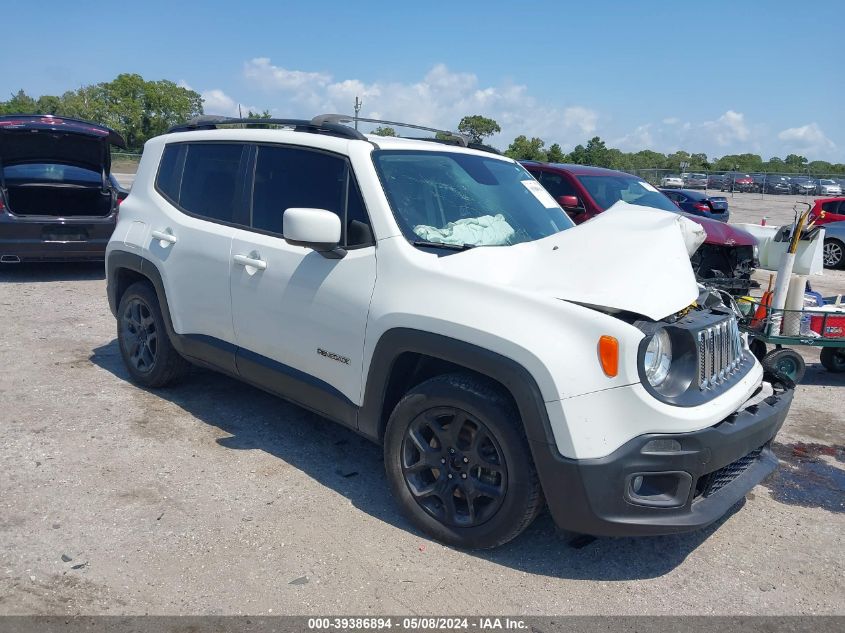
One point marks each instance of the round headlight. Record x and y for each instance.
(658, 358)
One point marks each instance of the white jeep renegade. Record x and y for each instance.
(437, 300)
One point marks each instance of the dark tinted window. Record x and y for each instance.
(358, 230)
(287, 177)
(209, 180)
(608, 190)
(557, 185)
(170, 172)
(51, 171)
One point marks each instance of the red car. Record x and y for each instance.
(726, 259)
(827, 210)
(738, 182)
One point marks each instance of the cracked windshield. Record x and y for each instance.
(466, 200)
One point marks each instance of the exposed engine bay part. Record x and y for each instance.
(725, 267)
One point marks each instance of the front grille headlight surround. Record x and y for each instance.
(657, 360)
(666, 359)
(681, 384)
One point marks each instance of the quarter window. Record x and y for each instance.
(210, 180)
(169, 176)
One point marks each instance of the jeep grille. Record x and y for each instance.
(720, 353)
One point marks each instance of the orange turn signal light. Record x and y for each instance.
(609, 355)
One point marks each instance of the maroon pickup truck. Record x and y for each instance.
(726, 259)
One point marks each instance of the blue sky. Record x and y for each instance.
(719, 77)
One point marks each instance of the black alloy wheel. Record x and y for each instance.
(454, 467)
(140, 334)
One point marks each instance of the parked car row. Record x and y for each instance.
(775, 184)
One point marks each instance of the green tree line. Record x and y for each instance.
(596, 153)
(136, 108)
(140, 109)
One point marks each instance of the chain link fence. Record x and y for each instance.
(757, 185)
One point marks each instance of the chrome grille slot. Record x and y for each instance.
(719, 353)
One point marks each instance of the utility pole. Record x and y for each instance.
(357, 106)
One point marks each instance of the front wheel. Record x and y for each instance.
(833, 359)
(459, 464)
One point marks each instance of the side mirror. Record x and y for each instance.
(314, 228)
(569, 202)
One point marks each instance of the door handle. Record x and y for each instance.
(252, 262)
(164, 236)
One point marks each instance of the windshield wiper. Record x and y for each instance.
(451, 247)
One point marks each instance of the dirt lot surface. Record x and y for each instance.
(213, 497)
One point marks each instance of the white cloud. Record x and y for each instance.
(730, 132)
(582, 118)
(215, 101)
(438, 99)
(268, 76)
(728, 128)
(640, 138)
(809, 140)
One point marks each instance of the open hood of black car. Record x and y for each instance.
(35, 138)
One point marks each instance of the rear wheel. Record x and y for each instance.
(459, 464)
(833, 253)
(833, 359)
(785, 361)
(146, 349)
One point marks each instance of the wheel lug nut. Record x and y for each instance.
(463, 475)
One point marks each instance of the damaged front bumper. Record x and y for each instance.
(662, 483)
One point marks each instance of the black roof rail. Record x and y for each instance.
(481, 147)
(324, 119)
(212, 122)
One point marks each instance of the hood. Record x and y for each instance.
(48, 139)
(721, 233)
(628, 258)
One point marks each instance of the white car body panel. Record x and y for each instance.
(519, 301)
(301, 303)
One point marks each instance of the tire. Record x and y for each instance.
(833, 359)
(758, 348)
(833, 253)
(476, 489)
(147, 352)
(785, 361)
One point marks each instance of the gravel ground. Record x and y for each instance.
(213, 497)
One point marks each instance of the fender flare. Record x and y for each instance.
(506, 371)
(118, 259)
(201, 350)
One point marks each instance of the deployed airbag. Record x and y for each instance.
(487, 230)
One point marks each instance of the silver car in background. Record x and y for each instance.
(834, 245)
(827, 187)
